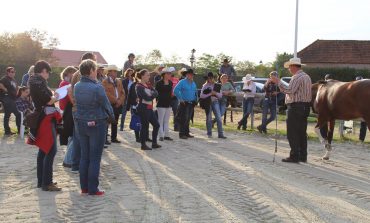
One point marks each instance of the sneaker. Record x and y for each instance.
(168, 138)
(51, 187)
(161, 138)
(98, 193)
(156, 146)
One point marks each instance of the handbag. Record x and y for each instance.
(31, 119)
(135, 123)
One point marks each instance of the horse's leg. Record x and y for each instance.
(330, 139)
(225, 117)
(320, 126)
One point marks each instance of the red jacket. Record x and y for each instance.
(44, 139)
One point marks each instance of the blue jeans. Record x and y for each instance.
(223, 104)
(68, 156)
(147, 116)
(92, 139)
(268, 104)
(215, 107)
(123, 116)
(45, 163)
(76, 149)
(247, 110)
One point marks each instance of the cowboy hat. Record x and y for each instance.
(247, 77)
(168, 70)
(293, 61)
(189, 71)
(111, 67)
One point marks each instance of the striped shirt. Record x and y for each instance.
(299, 89)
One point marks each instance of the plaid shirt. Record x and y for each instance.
(299, 89)
(23, 104)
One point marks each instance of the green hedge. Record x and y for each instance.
(341, 74)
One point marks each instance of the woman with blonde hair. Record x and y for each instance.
(27, 76)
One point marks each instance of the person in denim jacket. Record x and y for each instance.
(93, 110)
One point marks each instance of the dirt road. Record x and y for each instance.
(198, 180)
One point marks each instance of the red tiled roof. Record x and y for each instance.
(336, 51)
(65, 58)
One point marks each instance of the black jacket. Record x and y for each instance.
(131, 97)
(68, 125)
(125, 83)
(164, 94)
(12, 90)
(40, 92)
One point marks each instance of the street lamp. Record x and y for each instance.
(192, 58)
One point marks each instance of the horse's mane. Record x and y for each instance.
(324, 82)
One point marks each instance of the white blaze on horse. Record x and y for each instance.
(334, 100)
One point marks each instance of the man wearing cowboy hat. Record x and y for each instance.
(227, 68)
(186, 93)
(298, 98)
(116, 95)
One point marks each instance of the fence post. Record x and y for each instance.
(252, 120)
(341, 129)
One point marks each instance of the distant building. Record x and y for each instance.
(64, 58)
(337, 54)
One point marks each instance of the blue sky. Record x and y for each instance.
(247, 30)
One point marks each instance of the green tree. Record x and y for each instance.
(153, 57)
(207, 62)
(278, 64)
(26, 48)
(245, 67)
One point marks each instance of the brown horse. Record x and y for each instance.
(334, 100)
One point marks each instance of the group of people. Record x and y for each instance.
(97, 98)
